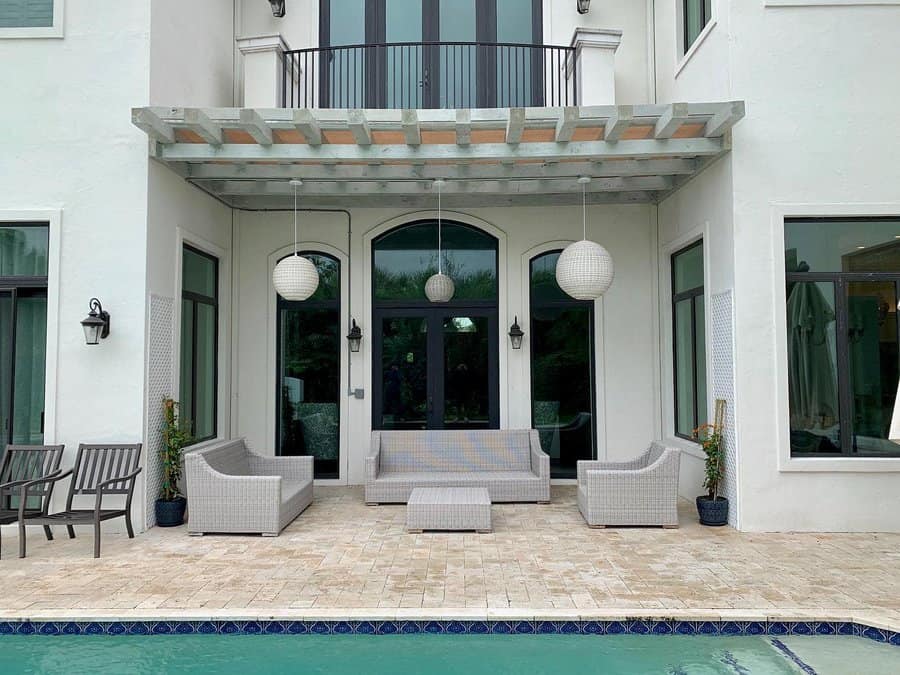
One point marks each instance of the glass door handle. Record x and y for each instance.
(430, 404)
(424, 81)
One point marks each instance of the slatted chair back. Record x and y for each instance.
(96, 464)
(28, 462)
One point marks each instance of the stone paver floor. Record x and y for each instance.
(341, 556)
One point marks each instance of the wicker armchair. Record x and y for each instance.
(230, 489)
(643, 491)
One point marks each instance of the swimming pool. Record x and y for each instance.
(473, 654)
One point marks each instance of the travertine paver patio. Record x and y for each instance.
(342, 557)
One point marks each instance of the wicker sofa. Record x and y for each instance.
(643, 491)
(231, 489)
(509, 463)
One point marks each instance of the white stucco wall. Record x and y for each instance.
(626, 349)
(68, 145)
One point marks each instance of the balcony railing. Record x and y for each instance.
(430, 75)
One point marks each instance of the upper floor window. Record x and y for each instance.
(842, 287)
(199, 341)
(697, 14)
(31, 18)
(433, 54)
(689, 339)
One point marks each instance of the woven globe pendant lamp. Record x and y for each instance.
(439, 287)
(585, 269)
(295, 277)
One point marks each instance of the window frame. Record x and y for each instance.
(56, 30)
(840, 282)
(706, 19)
(210, 301)
(690, 294)
(27, 285)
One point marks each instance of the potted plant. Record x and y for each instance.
(712, 507)
(171, 504)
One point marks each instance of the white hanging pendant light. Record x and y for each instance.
(439, 287)
(295, 277)
(584, 269)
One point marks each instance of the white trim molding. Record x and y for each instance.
(831, 3)
(57, 30)
(787, 463)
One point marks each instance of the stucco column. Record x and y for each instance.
(263, 56)
(596, 59)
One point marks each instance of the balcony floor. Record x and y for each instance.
(344, 559)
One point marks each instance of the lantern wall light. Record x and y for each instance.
(277, 8)
(96, 324)
(584, 6)
(354, 337)
(516, 334)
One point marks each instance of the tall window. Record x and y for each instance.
(561, 340)
(199, 341)
(26, 13)
(842, 284)
(23, 331)
(309, 372)
(689, 339)
(696, 15)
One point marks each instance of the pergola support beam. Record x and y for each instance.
(253, 123)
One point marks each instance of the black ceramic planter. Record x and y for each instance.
(170, 513)
(712, 512)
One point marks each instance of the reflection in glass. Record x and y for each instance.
(561, 369)
(812, 375)
(29, 369)
(841, 245)
(23, 250)
(458, 84)
(684, 369)
(6, 314)
(404, 65)
(873, 361)
(466, 388)
(404, 372)
(404, 259)
(205, 383)
(345, 69)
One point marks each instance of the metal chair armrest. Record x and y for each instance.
(24, 486)
(118, 479)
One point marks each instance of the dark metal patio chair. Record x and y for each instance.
(99, 470)
(22, 465)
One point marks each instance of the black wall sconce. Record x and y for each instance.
(584, 6)
(277, 8)
(516, 334)
(96, 324)
(354, 337)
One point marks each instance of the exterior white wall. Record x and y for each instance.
(626, 356)
(68, 145)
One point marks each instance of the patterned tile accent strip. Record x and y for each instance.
(437, 626)
(722, 360)
(160, 383)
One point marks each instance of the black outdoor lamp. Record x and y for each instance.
(354, 337)
(277, 8)
(96, 325)
(516, 334)
(583, 6)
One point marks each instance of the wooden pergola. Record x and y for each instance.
(489, 157)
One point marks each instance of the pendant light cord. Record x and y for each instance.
(440, 261)
(295, 220)
(583, 211)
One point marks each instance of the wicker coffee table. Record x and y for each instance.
(449, 508)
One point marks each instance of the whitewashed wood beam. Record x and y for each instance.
(253, 123)
(585, 150)
(306, 123)
(515, 125)
(671, 120)
(618, 123)
(410, 123)
(152, 125)
(359, 126)
(463, 126)
(565, 126)
(724, 119)
(642, 167)
(199, 122)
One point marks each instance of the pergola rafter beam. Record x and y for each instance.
(253, 123)
(724, 119)
(199, 122)
(515, 125)
(410, 122)
(618, 123)
(306, 123)
(153, 125)
(565, 127)
(671, 121)
(359, 127)
(463, 126)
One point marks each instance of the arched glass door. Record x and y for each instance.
(309, 372)
(562, 369)
(435, 366)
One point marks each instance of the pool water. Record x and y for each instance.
(432, 654)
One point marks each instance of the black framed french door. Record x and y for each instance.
(431, 53)
(436, 368)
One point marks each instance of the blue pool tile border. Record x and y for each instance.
(453, 627)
